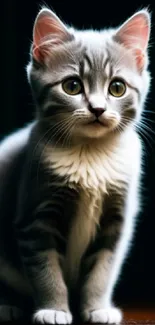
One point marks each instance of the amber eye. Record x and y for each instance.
(72, 86)
(117, 88)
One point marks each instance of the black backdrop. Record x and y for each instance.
(137, 282)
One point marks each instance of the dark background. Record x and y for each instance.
(137, 282)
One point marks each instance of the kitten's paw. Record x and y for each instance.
(109, 315)
(51, 316)
(10, 313)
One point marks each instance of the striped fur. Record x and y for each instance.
(69, 193)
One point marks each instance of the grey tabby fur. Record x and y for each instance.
(69, 191)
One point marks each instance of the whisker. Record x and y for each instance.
(146, 127)
(58, 129)
(147, 119)
(144, 134)
(68, 133)
(147, 111)
(66, 127)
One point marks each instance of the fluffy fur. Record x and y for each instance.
(72, 177)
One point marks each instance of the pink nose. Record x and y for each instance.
(97, 111)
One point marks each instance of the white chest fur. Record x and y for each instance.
(89, 167)
(92, 170)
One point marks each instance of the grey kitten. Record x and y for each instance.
(70, 181)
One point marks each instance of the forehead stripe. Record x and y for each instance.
(87, 59)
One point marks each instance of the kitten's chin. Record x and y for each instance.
(93, 131)
(96, 129)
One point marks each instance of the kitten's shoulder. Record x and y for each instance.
(12, 144)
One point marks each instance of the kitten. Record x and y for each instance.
(70, 180)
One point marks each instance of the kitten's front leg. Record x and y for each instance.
(53, 293)
(96, 304)
(42, 264)
(105, 258)
(42, 225)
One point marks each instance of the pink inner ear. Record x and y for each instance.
(135, 32)
(41, 29)
(48, 29)
(46, 26)
(140, 58)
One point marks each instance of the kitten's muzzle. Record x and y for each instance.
(97, 111)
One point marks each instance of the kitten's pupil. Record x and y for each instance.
(117, 88)
(72, 86)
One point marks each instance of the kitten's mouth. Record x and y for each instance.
(97, 122)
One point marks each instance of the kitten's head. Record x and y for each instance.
(88, 84)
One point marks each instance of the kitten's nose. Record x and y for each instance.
(97, 111)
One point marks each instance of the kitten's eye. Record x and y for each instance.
(72, 86)
(117, 88)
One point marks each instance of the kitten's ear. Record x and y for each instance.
(48, 31)
(134, 34)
